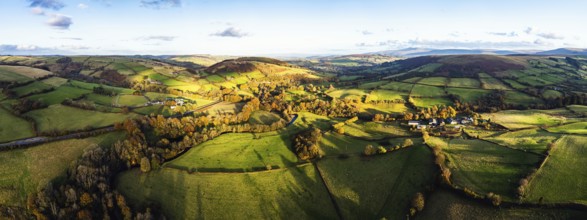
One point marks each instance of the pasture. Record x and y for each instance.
(434, 81)
(464, 82)
(573, 128)
(13, 127)
(562, 175)
(59, 95)
(355, 94)
(263, 117)
(374, 130)
(25, 71)
(533, 140)
(294, 193)
(427, 91)
(443, 204)
(34, 87)
(485, 167)
(384, 108)
(131, 100)
(517, 119)
(467, 95)
(378, 186)
(398, 86)
(383, 95)
(429, 102)
(65, 118)
(238, 152)
(488, 82)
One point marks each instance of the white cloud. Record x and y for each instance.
(37, 11)
(60, 21)
(82, 6)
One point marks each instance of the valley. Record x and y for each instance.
(252, 137)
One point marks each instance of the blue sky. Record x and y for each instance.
(301, 27)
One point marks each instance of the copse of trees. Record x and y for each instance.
(306, 143)
(24, 105)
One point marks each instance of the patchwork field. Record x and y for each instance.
(34, 87)
(296, 193)
(131, 100)
(561, 176)
(374, 130)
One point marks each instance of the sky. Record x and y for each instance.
(285, 27)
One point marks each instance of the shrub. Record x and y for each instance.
(418, 201)
(369, 150)
(381, 150)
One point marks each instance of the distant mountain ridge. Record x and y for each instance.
(416, 52)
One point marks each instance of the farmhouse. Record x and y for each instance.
(451, 121)
(433, 121)
(413, 123)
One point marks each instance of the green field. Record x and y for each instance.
(427, 91)
(464, 82)
(355, 94)
(59, 95)
(398, 86)
(295, 193)
(22, 171)
(488, 82)
(467, 95)
(518, 98)
(13, 127)
(515, 84)
(7, 75)
(34, 87)
(65, 118)
(374, 130)
(435, 81)
(55, 81)
(412, 80)
(215, 78)
(533, 140)
(516, 119)
(443, 204)
(429, 102)
(27, 72)
(485, 167)
(380, 186)
(384, 108)
(335, 144)
(263, 117)
(574, 128)
(91, 86)
(238, 152)
(131, 100)
(561, 178)
(100, 99)
(382, 95)
(372, 85)
(579, 109)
